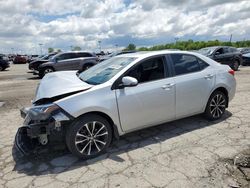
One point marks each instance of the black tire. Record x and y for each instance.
(83, 141)
(216, 106)
(1, 68)
(235, 65)
(44, 71)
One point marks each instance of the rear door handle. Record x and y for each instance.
(209, 76)
(168, 86)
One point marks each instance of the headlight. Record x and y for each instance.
(45, 109)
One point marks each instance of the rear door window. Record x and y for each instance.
(185, 64)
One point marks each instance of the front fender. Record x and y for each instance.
(97, 99)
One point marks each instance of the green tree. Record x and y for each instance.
(50, 50)
(130, 47)
(76, 48)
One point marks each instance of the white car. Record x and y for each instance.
(123, 94)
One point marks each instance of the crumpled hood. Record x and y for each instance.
(59, 83)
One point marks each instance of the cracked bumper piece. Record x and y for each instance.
(23, 142)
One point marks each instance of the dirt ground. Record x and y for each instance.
(191, 152)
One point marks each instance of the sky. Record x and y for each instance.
(115, 23)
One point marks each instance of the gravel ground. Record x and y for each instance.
(191, 152)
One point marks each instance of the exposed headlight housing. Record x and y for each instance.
(45, 109)
(41, 112)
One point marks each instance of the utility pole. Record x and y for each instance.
(176, 39)
(41, 48)
(116, 47)
(99, 42)
(231, 36)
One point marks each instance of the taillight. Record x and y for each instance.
(231, 72)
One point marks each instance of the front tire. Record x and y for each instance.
(216, 106)
(89, 136)
(44, 71)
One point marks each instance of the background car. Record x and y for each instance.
(121, 95)
(31, 58)
(244, 50)
(19, 59)
(38, 61)
(105, 57)
(3, 62)
(68, 61)
(224, 55)
(246, 59)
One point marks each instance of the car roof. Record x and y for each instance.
(145, 54)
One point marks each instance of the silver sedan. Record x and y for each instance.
(123, 94)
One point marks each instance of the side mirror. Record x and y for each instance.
(128, 81)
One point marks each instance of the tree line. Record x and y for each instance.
(189, 45)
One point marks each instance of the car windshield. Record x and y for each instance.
(206, 51)
(45, 57)
(105, 70)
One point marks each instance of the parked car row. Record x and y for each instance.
(41, 65)
(75, 60)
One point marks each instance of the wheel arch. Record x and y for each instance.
(108, 118)
(45, 67)
(223, 90)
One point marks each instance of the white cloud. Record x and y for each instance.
(26, 23)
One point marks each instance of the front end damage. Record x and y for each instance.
(42, 125)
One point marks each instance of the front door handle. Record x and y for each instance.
(209, 76)
(168, 86)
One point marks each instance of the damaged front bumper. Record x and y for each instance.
(39, 128)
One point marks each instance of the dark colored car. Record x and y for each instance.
(244, 50)
(19, 59)
(224, 55)
(32, 58)
(68, 61)
(37, 62)
(3, 63)
(105, 57)
(246, 59)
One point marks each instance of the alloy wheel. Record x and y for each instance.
(48, 70)
(91, 138)
(217, 106)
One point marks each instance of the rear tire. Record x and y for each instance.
(216, 106)
(235, 65)
(89, 136)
